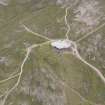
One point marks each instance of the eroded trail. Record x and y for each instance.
(66, 23)
(18, 81)
(90, 33)
(34, 33)
(96, 70)
(28, 50)
(75, 49)
(74, 52)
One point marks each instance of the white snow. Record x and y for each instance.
(61, 44)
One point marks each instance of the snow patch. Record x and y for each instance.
(61, 44)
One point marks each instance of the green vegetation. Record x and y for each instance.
(50, 76)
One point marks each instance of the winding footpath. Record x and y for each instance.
(74, 52)
(67, 24)
(29, 49)
(96, 70)
(75, 49)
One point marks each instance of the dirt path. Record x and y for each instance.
(28, 50)
(74, 52)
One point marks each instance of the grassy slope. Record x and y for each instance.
(66, 68)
